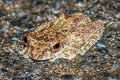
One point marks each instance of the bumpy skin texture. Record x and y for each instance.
(64, 37)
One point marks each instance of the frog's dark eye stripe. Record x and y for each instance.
(64, 30)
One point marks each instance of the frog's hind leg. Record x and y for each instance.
(93, 39)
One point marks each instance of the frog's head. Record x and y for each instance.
(42, 48)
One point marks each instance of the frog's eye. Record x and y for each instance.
(56, 46)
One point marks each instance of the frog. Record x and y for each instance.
(64, 37)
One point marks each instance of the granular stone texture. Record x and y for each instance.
(21, 17)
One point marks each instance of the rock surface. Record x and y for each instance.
(20, 17)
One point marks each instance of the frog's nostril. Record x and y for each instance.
(25, 39)
(56, 46)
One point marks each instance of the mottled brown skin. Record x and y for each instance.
(64, 37)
